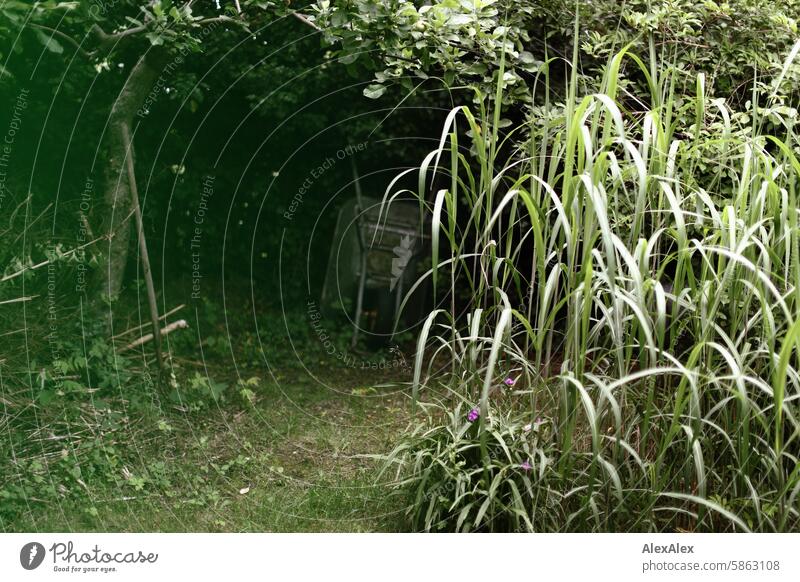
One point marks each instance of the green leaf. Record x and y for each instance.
(374, 91)
(50, 43)
(45, 397)
(155, 38)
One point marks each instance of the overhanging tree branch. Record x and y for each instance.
(65, 37)
(316, 27)
(306, 21)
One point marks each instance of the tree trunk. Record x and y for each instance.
(116, 207)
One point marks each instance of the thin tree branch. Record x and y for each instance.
(306, 21)
(149, 323)
(180, 324)
(65, 37)
(145, 257)
(218, 19)
(47, 262)
(106, 39)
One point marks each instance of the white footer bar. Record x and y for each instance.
(400, 557)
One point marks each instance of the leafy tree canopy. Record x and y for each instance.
(461, 41)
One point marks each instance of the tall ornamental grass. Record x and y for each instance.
(615, 344)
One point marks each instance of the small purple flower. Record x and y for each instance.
(473, 415)
(509, 381)
(526, 466)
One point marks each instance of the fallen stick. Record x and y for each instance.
(180, 324)
(149, 323)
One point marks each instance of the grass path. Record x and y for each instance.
(300, 459)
